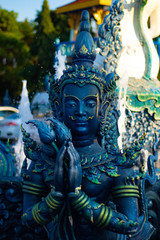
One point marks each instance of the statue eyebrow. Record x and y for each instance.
(71, 96)
(94, 96)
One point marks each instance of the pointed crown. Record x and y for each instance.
(84, 51)
(82, 71)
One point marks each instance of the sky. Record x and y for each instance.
(28, 8)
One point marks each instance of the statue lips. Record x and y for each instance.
(81, 125)
(81, 122)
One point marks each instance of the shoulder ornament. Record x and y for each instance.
(94, 166)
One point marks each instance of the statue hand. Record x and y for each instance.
(120, 223)
(75, 169)
(59, 171)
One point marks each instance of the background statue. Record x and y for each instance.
(126, 38)
(139, 55)
(7, 161)
(79, 185)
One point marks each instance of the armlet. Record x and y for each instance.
(125, 191)
(34, 189)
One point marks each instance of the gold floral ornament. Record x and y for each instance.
(83, 49)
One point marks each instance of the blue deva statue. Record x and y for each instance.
(79, 185)
(7, 161)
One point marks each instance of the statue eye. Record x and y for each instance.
(91, 103)
(71, 104)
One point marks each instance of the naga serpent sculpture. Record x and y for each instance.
(138, 54)
(140, 48)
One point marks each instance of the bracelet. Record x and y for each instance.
(99, 214)
(104, 217)
(37, 216)
(54, 200)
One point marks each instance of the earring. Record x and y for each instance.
(100, 113)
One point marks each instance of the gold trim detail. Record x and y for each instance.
(83, 49)
(82, 5)
(37, 217)
(52, 203)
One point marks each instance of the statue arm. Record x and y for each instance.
(37, 209)
(129, 198)
(44, 211)
(99, 214)
(40, 207)
(126, 193)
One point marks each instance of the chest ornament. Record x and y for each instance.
(94, 166)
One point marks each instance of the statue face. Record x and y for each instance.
(80, 110)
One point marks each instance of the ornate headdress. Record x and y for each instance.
(82, 71)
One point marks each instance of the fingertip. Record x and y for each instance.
(133, 224)
(64, 149)
(69, 143)
(68, 149)
(122, 222)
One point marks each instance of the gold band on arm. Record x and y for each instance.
(125, 191)
(98, 214)
(104, 217)
(37, 216)
(54, 203)
(45, 210)
(34, 189)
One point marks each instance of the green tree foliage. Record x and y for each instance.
(27, 30)
(14, 54)
(8, 23)
(62, 28)
(46, 25)
(27, 49)
(42, 49)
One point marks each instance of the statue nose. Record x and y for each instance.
(80, 110)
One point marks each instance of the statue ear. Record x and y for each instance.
(100, 113)
(100, 110)
(58, 110)
(56, 104)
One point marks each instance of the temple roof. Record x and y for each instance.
(82, 4)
